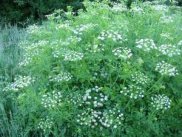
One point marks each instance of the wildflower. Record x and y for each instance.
(169, 50)
(94, 97)
(68, 55)
(133, 91)
(20, 83)
(33, 29)
(122, 52)
(62, 76)
(101, 118)
(73, 56)
(78, 30)
(160, 8)
(166, 19)
(112, 118)
(26, 61)
(113, 35)
(180, 43)
(166, 36)
(45, 124)
(166, 69)
(161, 102)
(137, 9)
(145, 44)
(139, 78)
(51, 99)
(118, 7)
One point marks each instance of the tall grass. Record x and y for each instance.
(10, 53)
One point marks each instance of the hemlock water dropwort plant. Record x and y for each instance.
(165, 68)
(107, 72)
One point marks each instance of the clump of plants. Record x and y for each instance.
(107, 72)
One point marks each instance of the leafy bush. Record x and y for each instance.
(107, 72)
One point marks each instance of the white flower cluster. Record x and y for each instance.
(166, 19)
(166, 69)
(68, 55)
(78, 30)
(33, 29)
(45, 124)
(118, 7)
(145, 44)
(73, 56)
(112, 118)
(36, 45)
(180, 43)
(101, 118)
(133, 91)
(137, 9)
(58, 52)
(72, 39)
(113, 35)
(122, 52)
(65, 25)
(26, 61)
(166, 36)
(89, 118)
(139, 78)
(94, 97)
(75, 99)
(51, 99)
(160, 102)
(160, 8)
(32, 50)
(169, 50)
(62, 76)
(19, 83)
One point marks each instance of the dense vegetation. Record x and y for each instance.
(110, 71)
(28, 11)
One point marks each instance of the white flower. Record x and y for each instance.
(133, 92)
(19, 83)
(160, 8)
(45, 124)
(180, 43)
(137, 9)
(78, 30)
(51, 99)
(139, 78)
(118, 7)
(166, 36)
(160, 102)
(113, 35)
(33, 29)
(166, 19)
(166, 69)
(68, 55)
(122, 52)
(62, 76)
(169, 50)
(145, 44)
